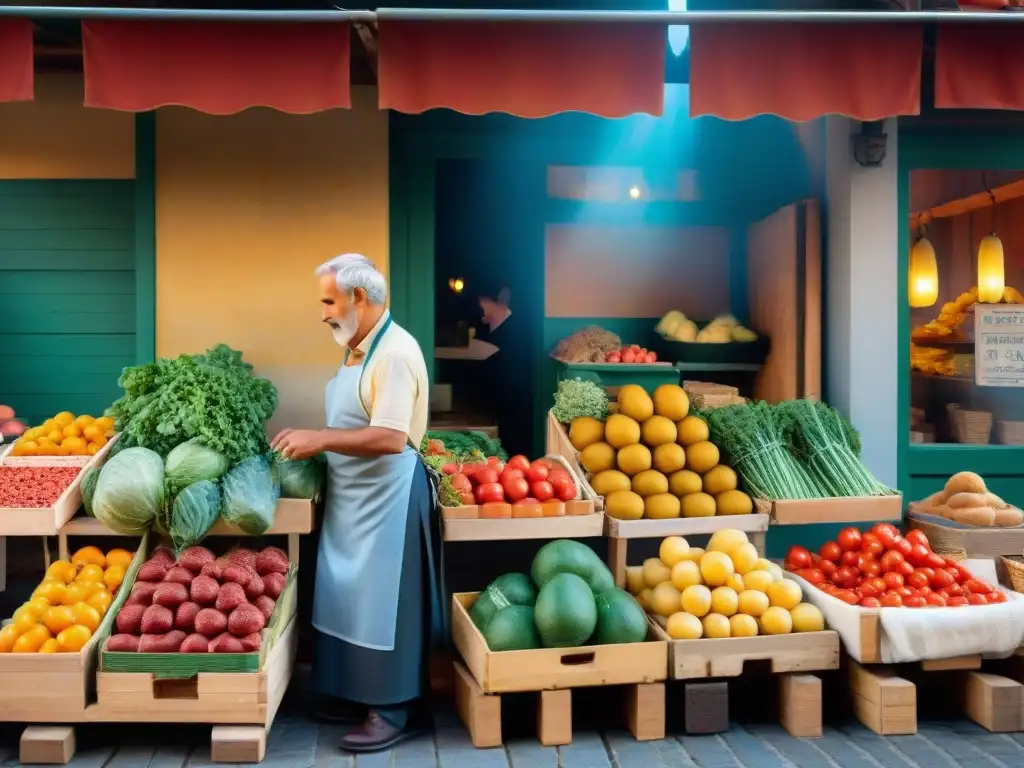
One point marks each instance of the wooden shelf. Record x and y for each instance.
(718, 367)
(683, 526)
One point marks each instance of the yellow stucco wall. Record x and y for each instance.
(247, 207)
(55, 137)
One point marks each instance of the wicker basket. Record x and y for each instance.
(953, 553)
(1010, 432)
(1015, 569)
(970, 427)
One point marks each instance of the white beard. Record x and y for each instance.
(345, 328)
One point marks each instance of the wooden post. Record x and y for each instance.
(554, 717)
(800, 705)
(480, 712)
(645, 711)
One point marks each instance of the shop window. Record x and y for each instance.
(611, 184)
(967, 314)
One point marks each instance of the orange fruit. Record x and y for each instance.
(90, 573)
(87, 616)
(89, 556)
(113, 577)
(120, 557)
(79, 592)
(53, 592)
(50, 646)
(41, 604)
(25, 622)
(84, 421)
(105, 423)
(8, 636)
(28, 609)
(100, 601)
(73, 445)
(59, 618)
(62, 570)
(71, 430)
(64, 418)
(73, 638)
(31, 641)
(91, 431)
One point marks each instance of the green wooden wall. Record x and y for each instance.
(67, 294)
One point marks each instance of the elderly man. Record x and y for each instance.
(376, 560)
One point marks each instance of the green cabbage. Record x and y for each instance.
(193, 514)
(130, 491)
(89, 480)
(299, 479)
(251, 490)
(191, 462)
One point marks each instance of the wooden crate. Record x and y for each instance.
(558, 445)
(552, 673)
(853, 509)
(979, 543)
(619, 532)
(6, 459)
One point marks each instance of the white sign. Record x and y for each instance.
(999, 345)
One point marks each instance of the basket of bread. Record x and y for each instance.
(966, 500)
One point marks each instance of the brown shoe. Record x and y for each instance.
(374, 735)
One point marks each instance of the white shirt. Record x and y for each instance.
(395, 387)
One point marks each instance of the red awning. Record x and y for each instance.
(217, 68)
(15, 60)
(978, 67)
(528, 70)
(803, 71)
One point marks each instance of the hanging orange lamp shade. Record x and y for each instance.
(991, 275)
(924, 274)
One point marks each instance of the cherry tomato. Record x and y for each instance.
(830, 551)
(976, 599)
(936, 599)
(891, 600)
(996, 597)
(886, 533)
(924, 591)
(797, 558)
(850, 557)
(977, 586)
(953, 590)
(935, 561)
(870, 602)
(892, 580)
(905, 592)
(828, 588)
(914, 536)
(889, 560)
(957, 576)
(519, 462)
(915, 601)
(902, 546)
(849, 539)
(827, 567)
(918, 554)
(845, 576)
(813, 575)
(868, 565)
(956, 600)
(942, 579)
(873, 586)
(489, 493)
(870, 545)
(848, 596)
(918, 579)
(904, 569)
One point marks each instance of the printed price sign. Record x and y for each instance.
(999, 345)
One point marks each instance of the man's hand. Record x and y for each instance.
(298, 444)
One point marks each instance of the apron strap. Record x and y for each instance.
(439, 618)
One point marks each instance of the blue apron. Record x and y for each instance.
(362, 540)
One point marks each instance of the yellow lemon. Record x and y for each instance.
(87, 616)
(64, 418)
(702, 456)
(807, 618)
(759, 580)
(736, 582)
(724, 601)
(59, 618)
(671, 401)
(8, 636)
(684, 626)
(691, 430)
(695, 554)
(62, 570)
(752, 603)
(684, 482)
(716, 626)
(113, 577)
(696, 600)
(720, 479)
(669, 458)
(75, 637)
(121, 557)
(762, 564)
(742, 625)
(716, 568)
(655, 572)
(744, 558)
(698, 505)
(665, 599)
(90, 573)
(776, 621)
(673, 550)
(635, 579)
(685, 574)
(726, 540)
(784, 593)
(644, 598)
(50, 646)
(100, 600)
(31, 641)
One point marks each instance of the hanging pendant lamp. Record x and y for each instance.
(991, 272)
(923, 283)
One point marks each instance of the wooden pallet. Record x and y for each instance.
(886, 702)
(481, 712)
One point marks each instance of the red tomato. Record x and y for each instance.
(495, 463)
(942, 579)
(830, 551)
(890, 559)
(827, 567)
(489, 493)
(976, 599)
(886, 533)
(935, 561)
(538, 471)
(510, 472)
(977, 586)
(958, 576)
(872, 587)
(904, 569)
(956, 601)
(828, 587)
(892, 580)
(891, 600)
(918, 579)
(542, 490)
(936, 599)
(813, 575)
(613, 357)
(629, 356)
(798, 557)
(565, 489)
(905, 592)
(870, 602)
(915, 536)
(918, 554)
(557, 473)
(516, 488)
(953, 590)
(851, 558)
(915, 601)
(870, 545)
(996, 597)
(902, 546)
(868, 565)
(486, 476)
(652, 357)
(924, 591)
(849, 539)
(848, 596)
(519, 462)
(845, 576)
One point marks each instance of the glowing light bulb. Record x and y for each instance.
(456, 284)
(924, 275)
(634, 192)
(991, 275)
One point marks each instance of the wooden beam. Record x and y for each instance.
(368, 37)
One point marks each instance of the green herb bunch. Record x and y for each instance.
(576, 397)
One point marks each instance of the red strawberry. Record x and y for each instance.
(266, 605)
(239, 574)
(214, 570)
(245, 620)
(230, 596)
(194, 558)
(185, 616)
(156, 620)
(210, 622)
(169, 643)
(170, 594)
(271, 560)
(195, 644)
(254, 588)
(142, 593)
(153, 571)
(225, 643)
(129, 619)
(179, 575)
(244, 557)
(273, 584)
(162, 555)
(251, 643)
(204, 590)
(123, 643)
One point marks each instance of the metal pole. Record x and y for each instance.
(699, 17)
(185, 14)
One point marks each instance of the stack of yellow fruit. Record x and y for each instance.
(726, 591)
(68, 605)
(65, 435)
(653, 459)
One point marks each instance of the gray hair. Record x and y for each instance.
(353, 270)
